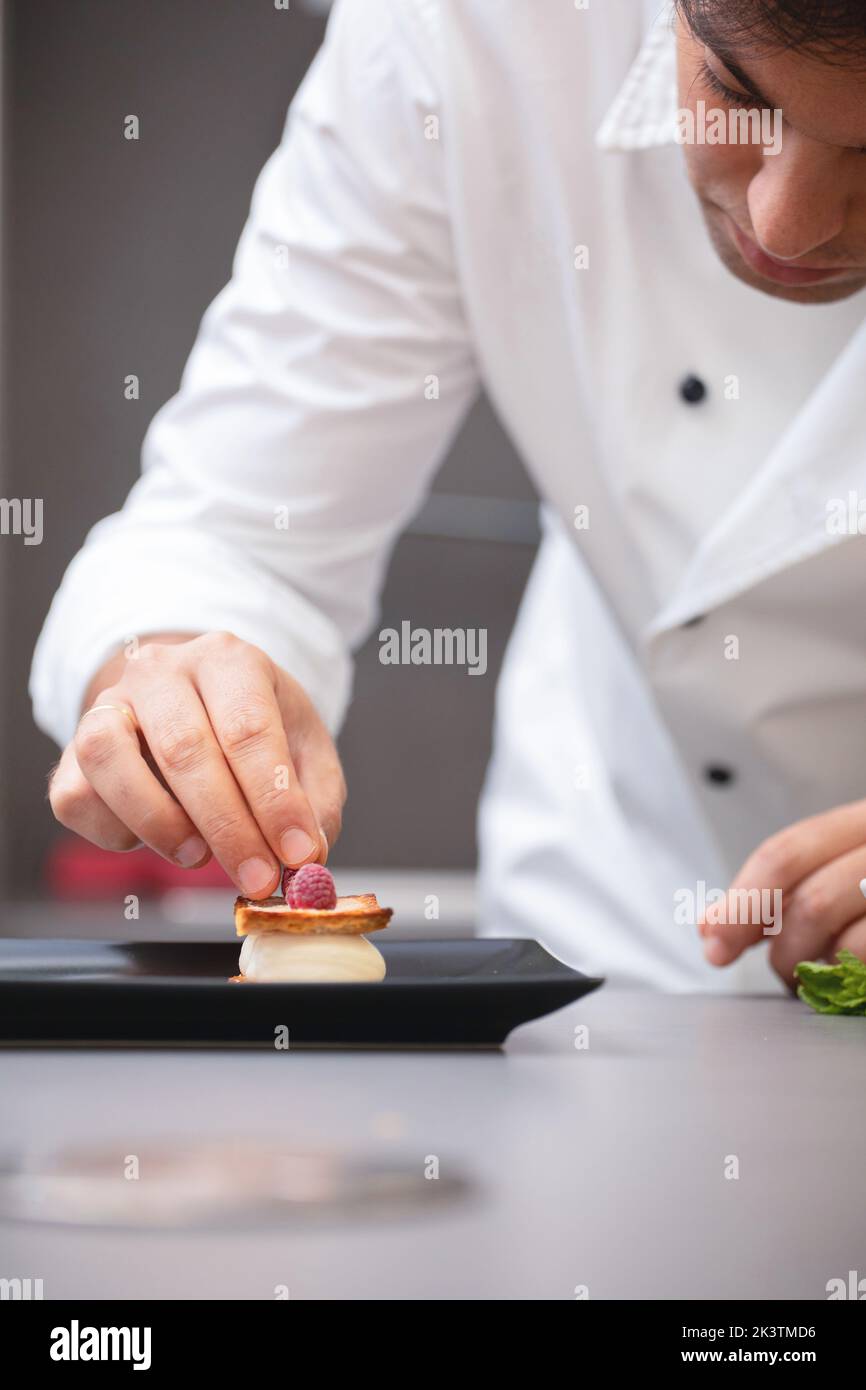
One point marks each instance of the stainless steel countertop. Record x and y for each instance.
(602, 1167)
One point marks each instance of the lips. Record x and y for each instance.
(782, 272)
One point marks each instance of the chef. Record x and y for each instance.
(498, 193)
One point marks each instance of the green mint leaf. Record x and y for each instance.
(834, 989)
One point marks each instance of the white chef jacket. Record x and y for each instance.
(488, 191)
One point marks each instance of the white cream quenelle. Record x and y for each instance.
(310, 935)
(280, 957)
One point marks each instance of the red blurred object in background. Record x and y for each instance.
(76, 870)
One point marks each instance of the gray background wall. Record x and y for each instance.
(112, 251)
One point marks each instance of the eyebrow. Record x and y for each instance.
(743, 78)
(752, 90)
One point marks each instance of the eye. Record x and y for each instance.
(726, 93)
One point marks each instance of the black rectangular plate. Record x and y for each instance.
(436, 993)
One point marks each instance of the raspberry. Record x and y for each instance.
(288, 875)
(312, 886)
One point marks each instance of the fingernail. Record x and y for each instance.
(716, 950)
(296, 847)
(255, 875)
(325, 847)
(192, 851)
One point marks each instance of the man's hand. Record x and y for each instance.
(230, 759)
(817, 866)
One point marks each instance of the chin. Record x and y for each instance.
(830, 293)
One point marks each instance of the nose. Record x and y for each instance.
(799, 199)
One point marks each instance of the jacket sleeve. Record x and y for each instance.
(324, 387)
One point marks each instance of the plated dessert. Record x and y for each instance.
(309, 935)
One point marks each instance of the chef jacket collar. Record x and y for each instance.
(644, 112)
(781, 518)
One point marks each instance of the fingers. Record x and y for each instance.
(754, 901)
(77, 806)
(229, 756)
(108, 754)
(853, 938)
(321, 775)
(790, 856)
(821, 906)
(248, 724)
(182, 742)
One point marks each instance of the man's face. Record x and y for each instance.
(792, 224)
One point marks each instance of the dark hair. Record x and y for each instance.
(835, 29)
